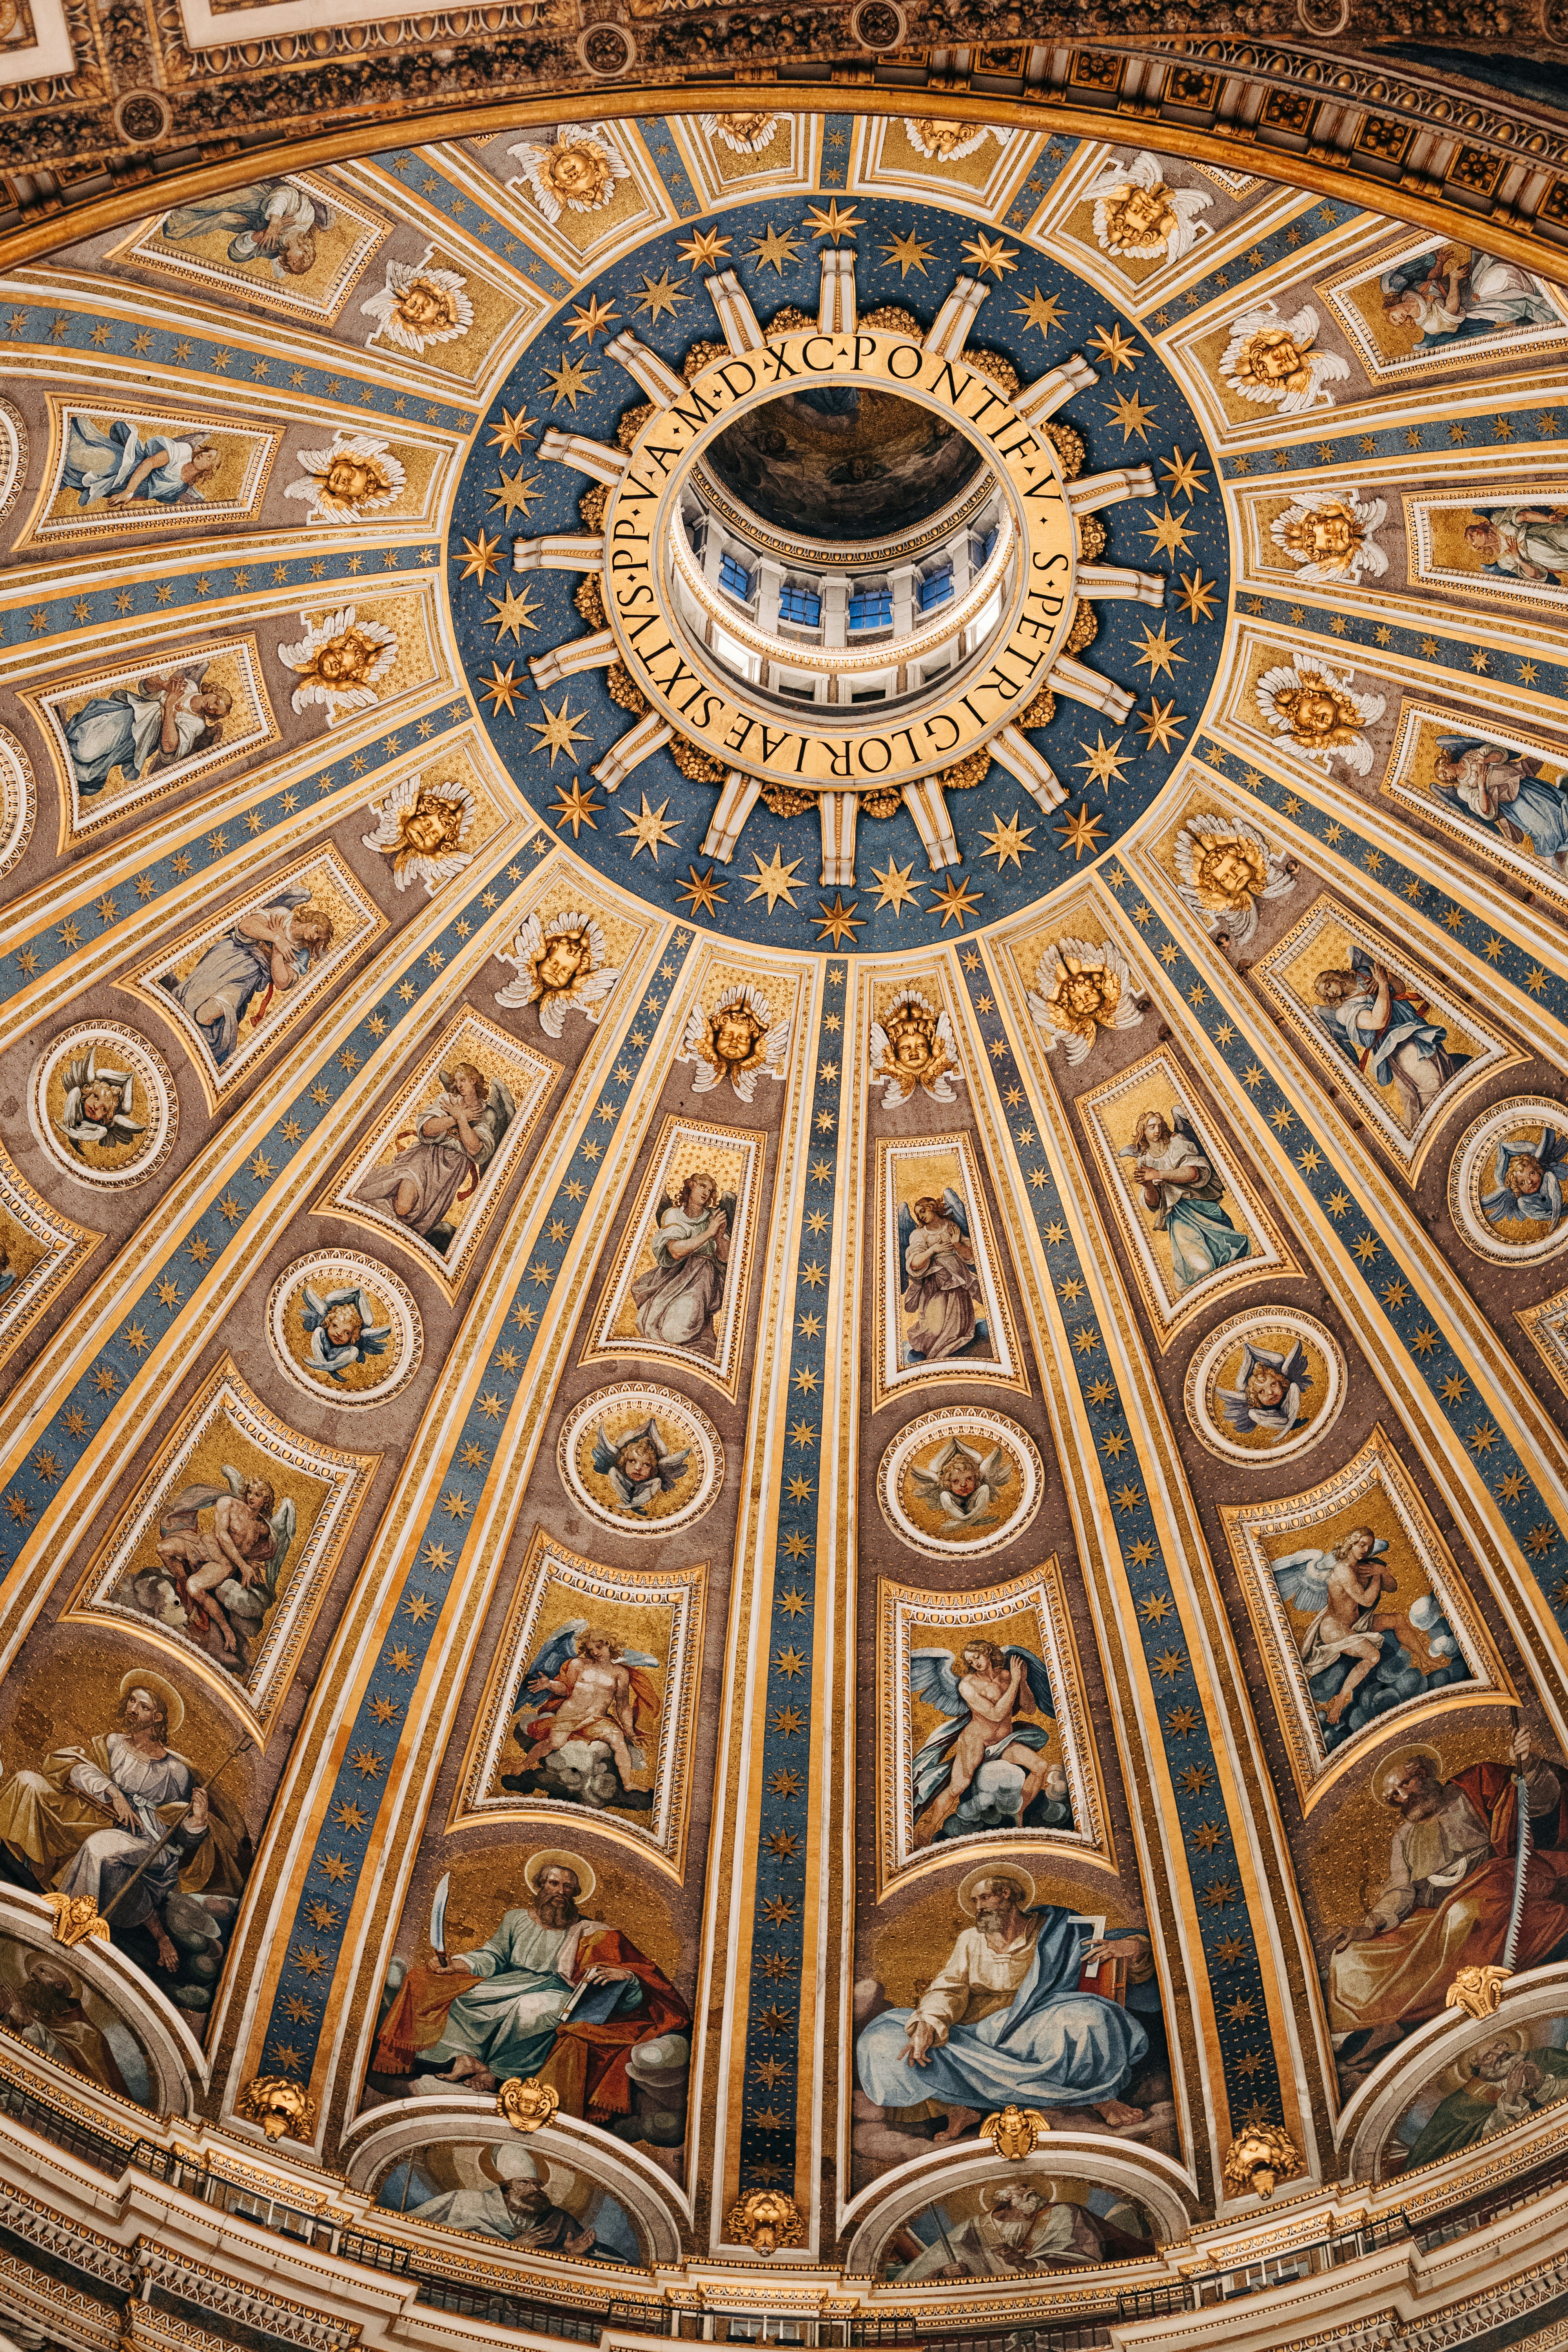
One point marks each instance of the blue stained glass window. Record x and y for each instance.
(871, 608)
(936, 589)
(735, 578)
(800, 605)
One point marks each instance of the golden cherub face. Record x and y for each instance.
(1231, 870)
(940, 138)
(1141, 213)
(424, 305)
(343, 661)
(1273, 357)
(734, 1035)
(350, 479)
(1329, 532)
(1314, 713)
(911, 1049)
(576, 171)
(564, 960)
(1085, 994)
(744, 127)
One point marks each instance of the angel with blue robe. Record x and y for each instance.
(146, 730)
(264, 955)
(1507, 792)
(590, 1686)
(941, 1288)
(1385, 1031)
(98, 1103)
(1269, 1396)
(231, 1567)
(119, 467)
(638, 1464)
(1178, 1180)
(341, 1330)
(980, 1703)
(1528, 1180)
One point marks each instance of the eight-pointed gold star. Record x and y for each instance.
(838, 922)
(990, 254)
(1080, 832)
(1163, 722)
(773, 249)
(1042, 311)
(1119, 351)
(701, 891)
(1105, 763)
(591, 318)
(647, 829)
(831, 222)
(501, 689)
(661, 294)
(1008, 843)
(576, 808)
(1198, 594)
(704, 249)
(894, 887)
(510, 435)
(571, 380)
(1158, 651)
(1131, 413)
(1184, 477)
(559, 729)
(774, 880)
(513, 491)
(484, 557)
(955, 900)
(510, 614)
(908, 253)
(1168, 531)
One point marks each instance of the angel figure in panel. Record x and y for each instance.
(1223, 867)
(982, 1764)
(1328, 534)
(427, 1182)
(1385, 1030)
(340, 661)
(639, 1463)
(913, 1051)
(941, 1295)
(588, 1690)
(679, 1295)
(420, 827)
(165, 718)
(419, 305)
(1358, 1630)
(739, 1040)
(353, 476)
(270, 221)
(962, 1484)
(264, 953)
(118, 467)
(227, 1570)
(562, 965)
(1270, 359)
(1454, 290)
(1269, 1396)
(1180, 1184)
(1137, 214)
(342, 1329)
(99, 1103)
(1528, 1180)
(1507, 791)
(1521, 542)
(1081, 987)
(1317, 711)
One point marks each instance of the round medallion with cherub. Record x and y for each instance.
(1267, 1385)
(640, 1459)
(103, 1105)
(342, 1326)
(960, 1481)
(1508, 1180)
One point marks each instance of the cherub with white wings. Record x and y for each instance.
(980, 1701)
(1329, 535)
(638, 1464)
(339, 661)
(1082, 986)
(341, 1330)
(233, 1565)
(1316, 712)
(353, 476)
(962, 1484)
(739, 1040)
(1224, 867)
(419, 305)
(589, 1686)
(562, 965)
(1269, 1396)
(912, 1050)
(1270, 359)
(420, 827)
(99, 1103)
(1137, 214)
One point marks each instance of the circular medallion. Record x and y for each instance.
(103, 1105)
(1508, 1183)
(640, 1459)
(960, 1481)
(342, 1326)
(1267, 1386)
(17, 799)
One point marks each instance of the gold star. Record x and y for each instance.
(1119, 351)
(571, 380)
(1198, 594)
(501, 689)
(648, 830)
(774, 880)
(591, 318)
(576, 808)
(558, 730)
(1157, 652)
(838, 922)
(894, 887)
(511, 613)
(833, 222)
(1042, 311)
(512, 491)
(955, 901)
(908, 253)
(1080, 833)
(1163, 722)
(1105, 763)
(990, 254)
(484, 557)
(701, 892)
(512, 432)
(1131, 413)
(661, 294)
(1168, 531)
(1008, 843)
(703, 249)
(1184, 477)
(772, 250)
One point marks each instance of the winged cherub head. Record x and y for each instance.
(98, 1103)
(340, 660)
(579, 173)
(420, 304)
(1081, 987)
(739, 1040)
(561, 963)
(353, 476)
(1137, 214)
(420, 829)
(638, 1464)
(911, 1035)
(1270, 359)
(1316, 708)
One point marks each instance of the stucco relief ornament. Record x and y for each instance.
(1081, 987)
(1477, 1989)
(353, 476)
(1315, 709)
(282, 2108)
(1224, 867)
(744, 134)
(579, 173)
(949, 142)
(765, 2220)
(420, 831)
(419, 305)
(739, 1040)
(1259, 2158)
(526, 2103)
(1270, 359)
(1136, 215)
(76, 1918)
(1015, 2131)
(563, 966)
(1329, 535)
(913, 1052)
(340, 660)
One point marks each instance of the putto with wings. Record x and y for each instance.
(1225, 867)
(99, 1104)
(638, 1464)
(562, 965)
(912, 1051)
(1269, 1396)
(739, 1040)
(1081, 987)
(962, 1482)
(342, 1330)
(942, 1291)
(221, 1552)
(1270, 359)
(982, 1769)
(585, 1687)
(420, 829)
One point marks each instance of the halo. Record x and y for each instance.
(173, 1704)
(508, 2160)
(1407, 1756)
(974, 1878)
(1516, 2037)
(1046, 2190)
(33, 1954)
(586, 1880)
